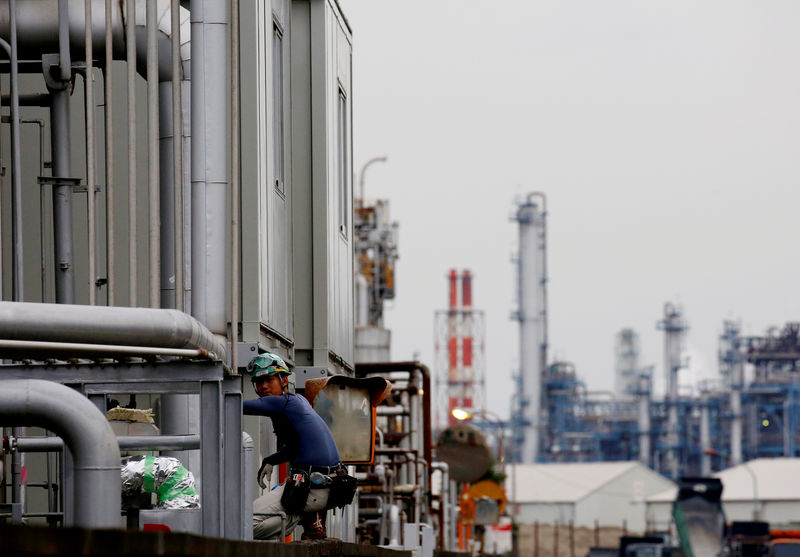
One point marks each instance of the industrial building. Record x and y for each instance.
(584, 494)
(178, 197)
(762, 489)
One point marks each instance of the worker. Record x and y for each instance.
(304, 441)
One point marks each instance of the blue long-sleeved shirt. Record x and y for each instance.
(302, 434)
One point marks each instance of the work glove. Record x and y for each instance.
(265, 472)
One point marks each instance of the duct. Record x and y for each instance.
(210, 152)
(106, 325)
(37, 31)
(88, 435)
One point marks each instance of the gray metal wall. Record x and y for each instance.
(31, 202)
(323, 247)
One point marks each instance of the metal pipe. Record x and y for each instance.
(64, 60)
(99, 324)
(16, 170)
(248, 447)
(130, 42)
(166, 141)
(210, 22)
(125, 442)
(154, 229)
(705, 438)
(37, 25)
(90, 170)
(108, 107)
(39, 122)
(361, 177)
(60, 150)
(235, 126)
(177, 150)
(29, 348)
(86, 432)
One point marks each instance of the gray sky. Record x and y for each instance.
(665, 134)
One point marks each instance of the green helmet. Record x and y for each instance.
(267, 364)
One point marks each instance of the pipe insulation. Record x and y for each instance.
(37, 31)
(163, 328)
(87, 433)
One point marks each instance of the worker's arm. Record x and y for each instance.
(268, 406)
(274, 407)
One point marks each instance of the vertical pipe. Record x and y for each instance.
(111, 283)
(62, 195)
(736, 412)
(177, 147)
(643, 396)
(90, 169)
(130, 36)
(705, 437)
(16, 170)
(166, 141)
(42, 258)
(65, 60)
(209, 162)
(154, 229)
(235, 125)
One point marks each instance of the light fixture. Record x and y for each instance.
(461, 414)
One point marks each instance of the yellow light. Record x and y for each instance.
(460, 414)
(765, 422)
(422, 391)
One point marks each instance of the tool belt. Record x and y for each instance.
(295, 493)
(342, 491)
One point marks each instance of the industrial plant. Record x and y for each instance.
(556, 418)
(177, 202)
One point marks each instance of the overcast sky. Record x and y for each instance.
(666, 135)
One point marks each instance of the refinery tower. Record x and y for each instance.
(532, 316)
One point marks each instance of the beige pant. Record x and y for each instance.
(267, 522)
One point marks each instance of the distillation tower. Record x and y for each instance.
(460, 369)
(531, 314)
(674, 328)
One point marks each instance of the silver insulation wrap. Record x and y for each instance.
(166, 477)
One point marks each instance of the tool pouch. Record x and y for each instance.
(295, 495)
(342, 491)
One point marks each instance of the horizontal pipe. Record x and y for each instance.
(37, 28)
(38, 350)
(126, 442)
(87, 433)
(126, 327)
(391, 411)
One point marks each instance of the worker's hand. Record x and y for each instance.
(264, 472)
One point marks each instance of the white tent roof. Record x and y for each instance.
(562, 482)
(775, 479)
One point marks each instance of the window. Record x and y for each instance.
(343, 169)
(277, 106)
